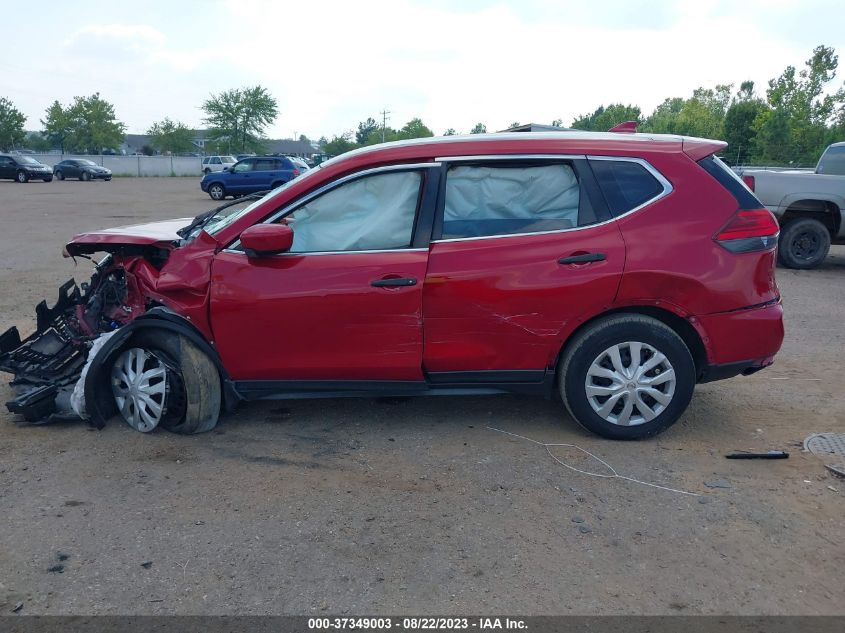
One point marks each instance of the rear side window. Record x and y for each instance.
(625, 184)
(265, 164)
(730, 181)
(485, 200)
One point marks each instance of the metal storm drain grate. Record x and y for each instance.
(823, 444)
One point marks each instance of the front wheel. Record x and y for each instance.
(59, 174)
(803, 244)
(85, 177)
(627, 377)
(217, 191)
(163, 379)
(22, 176)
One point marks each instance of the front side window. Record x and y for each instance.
(246, 165)
(486, 200)
(370, 213)
(625, 184)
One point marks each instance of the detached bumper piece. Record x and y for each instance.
(47, 364)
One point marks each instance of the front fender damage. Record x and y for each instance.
(51, 367)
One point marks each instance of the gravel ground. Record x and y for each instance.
(400, 506)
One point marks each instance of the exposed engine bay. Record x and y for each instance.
(48, 364)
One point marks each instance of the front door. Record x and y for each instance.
(346, 302)
(523, 251)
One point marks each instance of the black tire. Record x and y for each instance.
(590, 345)
(216, 191)
(50, 179)
(22, 176)
(194, 392)
(59, 174)
(108, 179)
(85, 176)
(803, 244)
(206, 171)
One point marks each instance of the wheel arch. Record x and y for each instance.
(100, 406)
(691, 336)
(826, 211)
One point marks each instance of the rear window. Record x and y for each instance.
(625, 184)
(730, 181)
(832, 161)
(487, 200)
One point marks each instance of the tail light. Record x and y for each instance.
(749, 230)
(295, 172)
(749, 182)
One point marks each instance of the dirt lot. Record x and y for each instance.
(364, 506)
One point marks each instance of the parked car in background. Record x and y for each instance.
(300, 162)
(259, 173)
(23, 168)
(217, 163)
(614, 270)
(809, 205)
(242, 156)
(82, 169)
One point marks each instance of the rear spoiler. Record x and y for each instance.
(695, 148)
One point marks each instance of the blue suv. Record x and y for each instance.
(250, 175)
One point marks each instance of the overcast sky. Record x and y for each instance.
(332, 64)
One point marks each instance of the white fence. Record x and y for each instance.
(136, 165)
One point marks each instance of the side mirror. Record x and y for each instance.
(267, 239)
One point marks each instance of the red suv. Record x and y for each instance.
(616, 270)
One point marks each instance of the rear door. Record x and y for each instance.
(524, 249)
(7, 167)
(263, 174)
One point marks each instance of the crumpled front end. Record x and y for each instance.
(47, 364)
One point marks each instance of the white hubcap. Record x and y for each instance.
(138, 382)
(630, 383)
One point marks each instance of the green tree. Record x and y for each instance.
(57, 125)
(414, 128)
(93, 125)
(739, 123)
(514, 124)
(803, 102)
(479, 128)
(38, 142)
(557, 123)
(11, 125)
(703, 115)
(366, 130)
(240, 116)
(171, 136)
(602, 119)
(450, 132)
(339, 144)
(665, 116)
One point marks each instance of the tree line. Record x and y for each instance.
(800, 115)
(236, 120)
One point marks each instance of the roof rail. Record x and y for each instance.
(628, 127)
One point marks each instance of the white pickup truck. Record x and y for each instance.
(810, 206)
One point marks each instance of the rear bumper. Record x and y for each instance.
(742, 340)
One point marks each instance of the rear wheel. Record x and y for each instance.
(803, 244)
(627, 377)
(162, 379)
(217, 191)
(22, 176)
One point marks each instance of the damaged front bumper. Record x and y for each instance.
(48, 366)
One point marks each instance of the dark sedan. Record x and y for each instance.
(81, 168)
(23, 169)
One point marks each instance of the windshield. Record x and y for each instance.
(231, 214)
(26, 160)
(228, 159)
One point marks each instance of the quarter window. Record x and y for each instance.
(625, 184)
(370, 213)
(485, 200)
